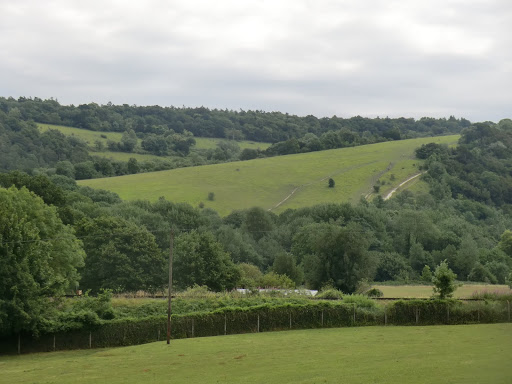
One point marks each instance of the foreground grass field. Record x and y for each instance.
(436, 354)
(280, 182)
(424, 291)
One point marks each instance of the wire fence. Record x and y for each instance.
(229, 321)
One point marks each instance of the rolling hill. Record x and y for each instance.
(282, 182)
(90, 137)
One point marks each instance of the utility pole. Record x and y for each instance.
(170, 289)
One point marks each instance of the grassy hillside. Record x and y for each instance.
(434, 354)
(88, 136)
(91, 136)
(280, 182)
(211, 143)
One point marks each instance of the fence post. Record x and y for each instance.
(258, 322)
(225, 324)
(385, 315)
(448, 312)
(54, 342)
(354, 318)
(158, 337)
(290, 320)
(19, 344)
(192, 327)
(417, 315)
(508, 304)
(90, 339)
(322, 317)
(478, 314)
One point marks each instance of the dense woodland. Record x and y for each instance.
(169, 133)
(56, 236)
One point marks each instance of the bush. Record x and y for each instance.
(359, 300)
(374, 292)
(330, 294)
(444, 280)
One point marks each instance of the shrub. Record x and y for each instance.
(426, 274)
(359, 300)
(374, 292)
(444, 280)
(330, 294)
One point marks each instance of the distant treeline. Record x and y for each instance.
(202, 122)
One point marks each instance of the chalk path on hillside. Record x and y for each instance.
(388, 196)
(318, 181)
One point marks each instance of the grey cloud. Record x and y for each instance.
(371, 58)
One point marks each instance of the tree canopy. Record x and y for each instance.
(39, 257)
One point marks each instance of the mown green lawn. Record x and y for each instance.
(302, 178)
(463, 354)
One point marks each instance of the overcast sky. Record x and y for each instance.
(372, 58)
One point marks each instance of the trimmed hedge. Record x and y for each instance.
(262, 318)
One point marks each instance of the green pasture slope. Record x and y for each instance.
(281, 182)
(468, 354)
(86, 135)
(91, 136)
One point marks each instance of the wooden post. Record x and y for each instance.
(54, 342)
(19, 344)
(478, 314)
(90, 339)
(417, 315)
(508, 304)
(225, 324)
(170, 289)
(290, 320)
(192, 327)
(258, 322)
(158, 337)
(448, 313)
(354, 317)
(385, 315)
(322, 317)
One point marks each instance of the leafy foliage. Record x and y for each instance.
(200, 260)
(39, 257)
(444, 280)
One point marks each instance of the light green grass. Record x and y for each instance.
(425, 291)
(466, 354)
(267, 182)
(91, 136)
(86, 135)
(124, 156)
(211, 143)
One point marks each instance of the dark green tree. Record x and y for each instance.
(128, 141)
(39, 257)
(120, 256)
(336, 254)
(284, 264)
(199, 259)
